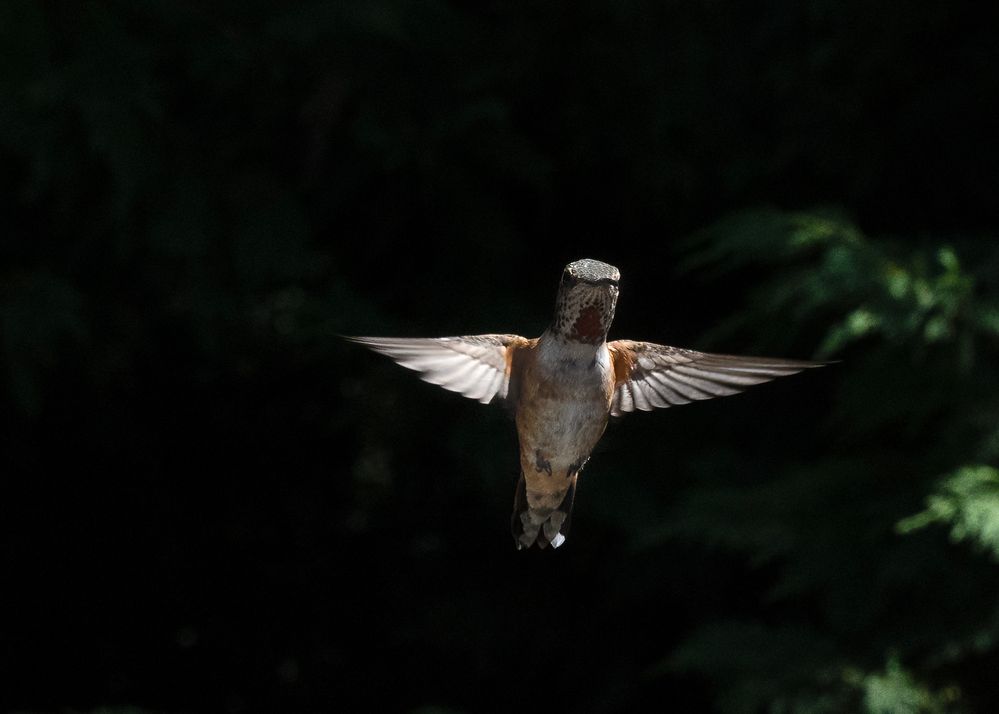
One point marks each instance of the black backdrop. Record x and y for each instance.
(210, 503)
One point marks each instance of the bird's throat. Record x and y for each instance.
(589, 326)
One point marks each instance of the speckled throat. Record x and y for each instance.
(587, 297)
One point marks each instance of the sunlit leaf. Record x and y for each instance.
(968, 502)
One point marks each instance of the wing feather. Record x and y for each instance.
(640, 394)
(648, 375)
(671, 393)
(476, 366)
(688, 393)
(706, 387)
(476, 384)
(622, 400)
(655, 394)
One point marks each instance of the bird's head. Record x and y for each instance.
(586, 300)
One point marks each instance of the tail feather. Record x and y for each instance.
(541, 526)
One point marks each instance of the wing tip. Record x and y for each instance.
(365, 340)
(370, 339)
(824, 363)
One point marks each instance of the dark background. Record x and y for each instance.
(210, 503)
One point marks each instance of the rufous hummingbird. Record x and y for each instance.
(564, 385)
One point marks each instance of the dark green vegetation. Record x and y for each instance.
(210, 503)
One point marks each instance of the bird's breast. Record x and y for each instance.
(563, 406)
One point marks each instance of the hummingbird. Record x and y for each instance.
(563, 386)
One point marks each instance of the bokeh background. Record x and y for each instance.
(210, 503)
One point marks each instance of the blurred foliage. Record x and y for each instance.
(915, 331)
(896, 293)
(198, 198)
(968, 501)
(896, 691)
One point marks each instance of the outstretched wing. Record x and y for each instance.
(476, 366)
(648, 375)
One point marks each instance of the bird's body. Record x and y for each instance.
(563, 386)
(563, 395)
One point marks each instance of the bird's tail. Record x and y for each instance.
(542, 518)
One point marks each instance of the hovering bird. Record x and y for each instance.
(564, 385)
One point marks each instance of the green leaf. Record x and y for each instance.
(896, 691)
(966, 500)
